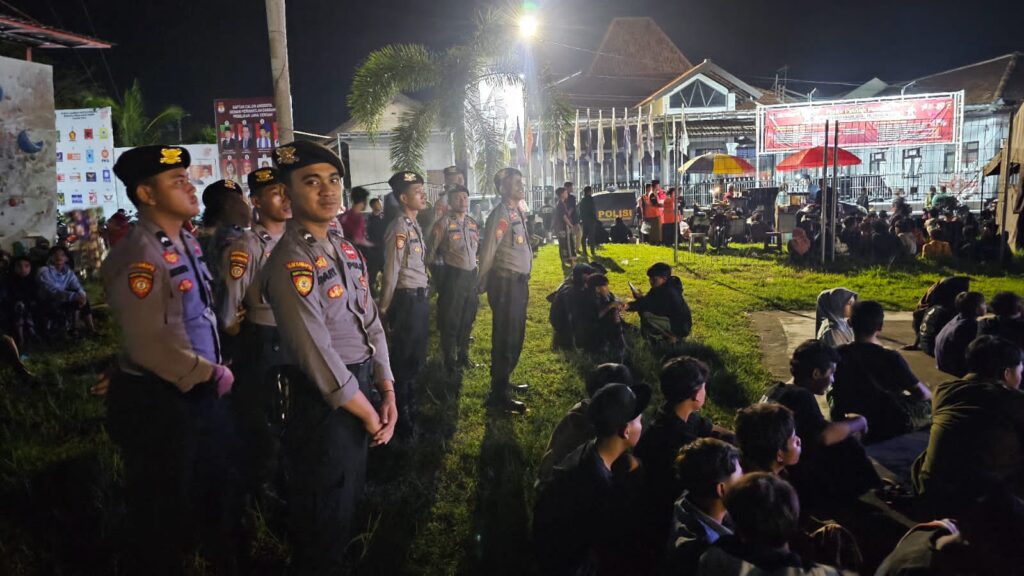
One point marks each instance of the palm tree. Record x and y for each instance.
(452, 81)
(131, 125)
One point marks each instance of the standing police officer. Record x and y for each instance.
(506, 260)
(243, 312)
(316, 284)
(404, 300)
(164, 409)
(454, 240)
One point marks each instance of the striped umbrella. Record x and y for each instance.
(815, 158)
(716, 164)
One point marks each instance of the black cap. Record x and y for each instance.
(213, 192)
(615, 405)
(302, 153)
(502, 174)
(453, 170)
(139, 163)
(402, 180)
(260, 179)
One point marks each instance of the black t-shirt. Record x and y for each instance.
(806, 413)
(870, 381)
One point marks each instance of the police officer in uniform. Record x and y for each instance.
(455, 240)
(243, 312)
(506, 260)
(316, 284)
(164, 409)
(404, 300)
(225, 218)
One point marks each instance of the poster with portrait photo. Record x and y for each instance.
(246, 131)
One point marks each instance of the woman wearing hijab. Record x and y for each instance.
(831, 318)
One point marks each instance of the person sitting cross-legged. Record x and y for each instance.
(664, 314)
(598, 324)
(61, 295)
(833, 470)
(765, 514)
(707, 469)
(766, 436)
(977, 433)
(876, 382)
(952, 341)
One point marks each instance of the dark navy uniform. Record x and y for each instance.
(162, 408)
(331, 330)
(506, 260)
(455, 241)
(406, 305)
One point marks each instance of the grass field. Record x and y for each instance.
(458, 500)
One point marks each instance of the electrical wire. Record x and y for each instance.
(103, 57)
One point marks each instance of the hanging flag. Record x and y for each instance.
(576, 137)
(600, 138)
(506, 153)
(562, 154)
(640, 133)
(586, 140)
(520, 153)
(627, 137)
(684, 140)
(531, 138)
(615, 137)
(664, 143)
(650, 131)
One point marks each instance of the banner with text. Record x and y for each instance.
(85, 160)
(246, 135)
(862, 123)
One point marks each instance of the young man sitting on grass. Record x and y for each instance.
(664, 315)
(574, 429)
(834, 469)
(876, 382)
(586, 519)
(707, 469)
(677, 423)
(1008, 321)
(952, 341)
(766, 436)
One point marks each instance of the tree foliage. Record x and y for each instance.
(132, 126)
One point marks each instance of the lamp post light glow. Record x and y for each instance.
(528, 26)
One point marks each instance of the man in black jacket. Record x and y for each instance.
(664, 314)
(588, 220)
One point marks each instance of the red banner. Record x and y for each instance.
(246, 135)
(861, 124)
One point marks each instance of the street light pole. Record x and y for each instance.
(278, 34)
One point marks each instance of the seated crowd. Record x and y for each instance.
(687, 495)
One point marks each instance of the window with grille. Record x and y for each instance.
(911, 162)
(697, 94)
(949, 158)
(970, 153)
(876, 164)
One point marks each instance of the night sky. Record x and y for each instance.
(190, 52)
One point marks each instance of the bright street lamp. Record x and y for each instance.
(528, 26)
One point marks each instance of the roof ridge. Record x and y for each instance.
(1011, 55)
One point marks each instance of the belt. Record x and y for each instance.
(418, 292)
(511, 275)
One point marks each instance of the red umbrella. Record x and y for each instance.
(813, 158)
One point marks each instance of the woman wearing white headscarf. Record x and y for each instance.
(833, 310)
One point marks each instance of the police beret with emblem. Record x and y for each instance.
(260, 179)
(213, 193)
(402, 180)
(302, 153)
(503, 174)
(139, 163)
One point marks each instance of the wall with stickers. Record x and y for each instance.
(85, 161)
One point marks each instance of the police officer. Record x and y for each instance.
(163, 408)
(454, 240)
(243, 312)
(316, 284)
(506, 260)
(404, 300)
(225, 217)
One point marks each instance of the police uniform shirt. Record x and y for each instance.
(320, 296)
(506, 245)
(404, 259)
(455, 242)
(240, 265)
(159, 290)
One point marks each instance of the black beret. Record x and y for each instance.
(213, 192)
(502, 174)
(139, 163)
(302, 153)
(260, 179)
(453, 170)
(401, 180)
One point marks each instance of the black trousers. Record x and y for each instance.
(409, 324)
(669, 233)
(326, 452)
(457, 304)
(178, 482)
(258, 405)
(508, 294)
(589, 237)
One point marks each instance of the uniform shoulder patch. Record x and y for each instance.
(501, 228)
(239, 261)
(400, 241)
(335, 291)
(302, 276)
(321, 262)
(140, 278)
(349, 250)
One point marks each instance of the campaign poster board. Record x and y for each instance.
(246, 135)
(85, 160)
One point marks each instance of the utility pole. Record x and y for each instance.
(278, 34)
